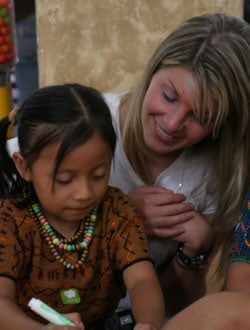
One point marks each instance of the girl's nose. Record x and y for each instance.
(82, 190)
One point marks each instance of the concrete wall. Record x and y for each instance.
(105, 43)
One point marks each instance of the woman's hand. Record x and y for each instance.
(166, 214)
(197, 234)
(162, 210)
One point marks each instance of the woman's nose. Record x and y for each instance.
(175, 120)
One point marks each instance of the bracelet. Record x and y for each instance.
(180, 264)
(196, 262)
(183, 266)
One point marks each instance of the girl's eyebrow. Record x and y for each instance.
(67, 170)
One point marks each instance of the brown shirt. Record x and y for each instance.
(119, 240)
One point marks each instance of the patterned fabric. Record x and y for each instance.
(119, 240)
(241, 243)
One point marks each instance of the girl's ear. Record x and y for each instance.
(21, 166)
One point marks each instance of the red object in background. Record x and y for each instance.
(7, 32)
(7, 54)
(4, 3)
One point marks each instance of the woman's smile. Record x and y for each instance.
(166, 135)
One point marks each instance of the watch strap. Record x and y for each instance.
(198, 261)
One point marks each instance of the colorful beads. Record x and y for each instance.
(85, 231)
(61, 246)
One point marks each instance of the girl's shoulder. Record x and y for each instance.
(118, 203)
(15, 216)
(8, 207)
(116, 196)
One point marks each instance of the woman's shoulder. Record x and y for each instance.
(113, 101)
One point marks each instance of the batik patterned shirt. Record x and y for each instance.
(118, 241)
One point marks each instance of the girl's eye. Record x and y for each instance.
(168, 97)
(99, 177)
(63, 182)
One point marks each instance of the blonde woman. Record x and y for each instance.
(183, 150)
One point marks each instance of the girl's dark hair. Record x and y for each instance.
(68, 114)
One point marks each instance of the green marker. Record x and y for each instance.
(48, 313)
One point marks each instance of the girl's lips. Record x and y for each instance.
(80, 210)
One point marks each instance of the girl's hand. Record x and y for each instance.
(74, 317)
(59, 327)
(162, 210)
(144, 326)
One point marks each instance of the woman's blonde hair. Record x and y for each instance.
(216, 49)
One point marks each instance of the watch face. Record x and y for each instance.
(122, 320)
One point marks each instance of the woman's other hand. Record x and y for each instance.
(161, 210)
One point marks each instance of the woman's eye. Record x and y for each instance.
(168, 97)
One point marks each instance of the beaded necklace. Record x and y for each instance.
(60, 244)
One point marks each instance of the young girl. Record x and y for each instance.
(66, 237)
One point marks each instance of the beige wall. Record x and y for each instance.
(105, 43)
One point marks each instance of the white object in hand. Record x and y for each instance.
(48, 313)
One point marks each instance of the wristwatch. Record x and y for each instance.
(120, 320)
(196, 262)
